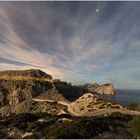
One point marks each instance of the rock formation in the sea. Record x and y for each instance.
(106, 89)
(89, 103)
(17, 88)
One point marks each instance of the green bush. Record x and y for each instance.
(133, 105)
(134, 125)
(45, 115)
(77, 128)
(17, 119)
(32, 125)
(116, 114)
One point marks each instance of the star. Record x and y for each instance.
(97, 10)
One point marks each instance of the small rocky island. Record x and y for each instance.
(30, 100)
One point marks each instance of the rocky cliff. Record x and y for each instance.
(32, 74)
(18, 87)
(107, 89)
(89, 103)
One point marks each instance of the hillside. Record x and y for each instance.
(32, 105)
(68, 90)
(47, 126)
(34, 73)
(18, 87)
(89, 103)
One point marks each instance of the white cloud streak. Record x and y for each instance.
(76, 47)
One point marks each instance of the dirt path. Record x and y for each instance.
(95, 113)
(111, 110)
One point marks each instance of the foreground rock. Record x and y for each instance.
(106, 89)
(18, 87)
(47, 126)
(89, 103)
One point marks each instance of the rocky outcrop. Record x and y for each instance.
(106, 89)
(52, 94)
(17, 88)
(31, 73)
(89, 103)
(48, 107)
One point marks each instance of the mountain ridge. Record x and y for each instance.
(16, 92)
(19, 87)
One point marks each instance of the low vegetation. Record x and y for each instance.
(134, 125)
(134, 106)
(43, 125)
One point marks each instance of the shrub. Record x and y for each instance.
(45, 115)
(134, 125)
(17, 119)
(77, 128)
(31, 125)
(116, 114)
(133, 106)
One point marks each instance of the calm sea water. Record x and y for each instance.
(123, 97)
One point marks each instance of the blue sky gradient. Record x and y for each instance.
(72, 41)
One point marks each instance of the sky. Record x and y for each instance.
(78, 42)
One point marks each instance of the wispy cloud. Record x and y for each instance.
(71, 41)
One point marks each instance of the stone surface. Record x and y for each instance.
(16, 91)
(89, 103)
(107, 89)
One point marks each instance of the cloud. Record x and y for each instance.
(71, 41)
(16, 49)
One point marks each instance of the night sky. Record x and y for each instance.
(78, 42)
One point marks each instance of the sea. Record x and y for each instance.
(122, 96)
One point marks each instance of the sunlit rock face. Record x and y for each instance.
(107, 89)
(25, 74)
(88, 103)
(18, 87)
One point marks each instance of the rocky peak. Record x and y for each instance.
(17, 88)
(31, 73)
(102, 89)
(89, 103)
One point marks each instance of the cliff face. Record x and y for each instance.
(14, 98)
(89, 103)
(18, 87)
(107, 89)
